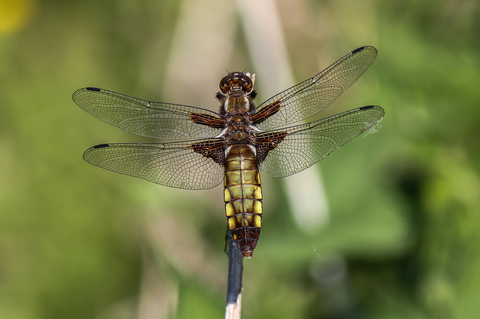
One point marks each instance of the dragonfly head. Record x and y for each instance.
(236, 82)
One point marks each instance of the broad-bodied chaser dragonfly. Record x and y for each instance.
(199, 148)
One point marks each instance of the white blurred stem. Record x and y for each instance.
(268, 52)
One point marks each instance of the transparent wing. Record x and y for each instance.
(169, 164)
(317, 93)
(306, 144)
(163, 121)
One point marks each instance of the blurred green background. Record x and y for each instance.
(397, 237)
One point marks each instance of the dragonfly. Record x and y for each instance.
(199, 149)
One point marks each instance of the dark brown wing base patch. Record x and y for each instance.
(266, 112)
(267, 142)
(213, 149)
(206, 119)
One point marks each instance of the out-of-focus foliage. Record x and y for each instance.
(403, 227)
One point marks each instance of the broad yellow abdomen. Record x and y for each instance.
(243, 197)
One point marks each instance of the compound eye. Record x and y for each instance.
(225, 85)
(247, 84)
(227, 82)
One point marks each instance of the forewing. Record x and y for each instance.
(315, 94)
(170, 164)
(163, 121)
(303, 145)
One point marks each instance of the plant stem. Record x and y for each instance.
(234, 288)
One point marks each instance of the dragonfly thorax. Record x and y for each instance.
(236, 103)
